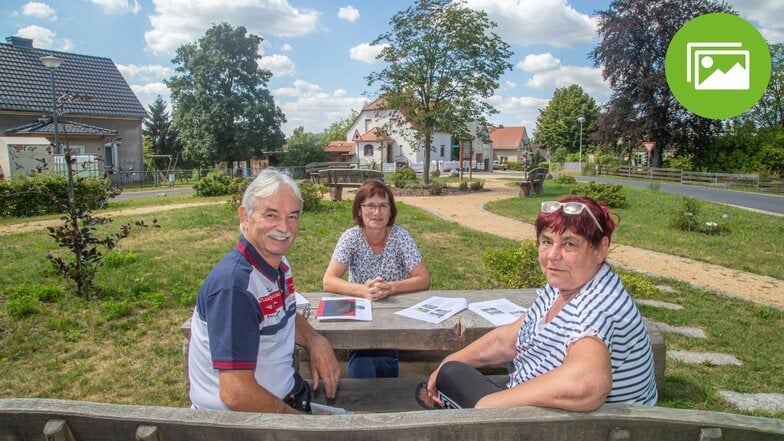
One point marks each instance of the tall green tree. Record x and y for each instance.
(158, 127)
(222, 108)
(338, 129)
(558, 125)
(634, 38)
(442, 60)
(303, 148)
(769, 111)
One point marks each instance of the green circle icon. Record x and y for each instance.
(717, 66)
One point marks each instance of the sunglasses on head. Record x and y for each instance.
(570, 208)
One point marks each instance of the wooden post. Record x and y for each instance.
(461, 159)
(57, 430)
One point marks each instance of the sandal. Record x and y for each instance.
(424, 399)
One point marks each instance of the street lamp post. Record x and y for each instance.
(581, 120)
(51, 62)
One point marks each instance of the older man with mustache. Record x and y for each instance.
(245, 323)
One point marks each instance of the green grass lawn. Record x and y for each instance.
(754, 242)
(125, 346)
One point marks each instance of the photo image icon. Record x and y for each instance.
(718, 69)
(717, 65)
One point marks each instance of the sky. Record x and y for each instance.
(319, 52)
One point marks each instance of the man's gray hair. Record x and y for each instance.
(266, 184)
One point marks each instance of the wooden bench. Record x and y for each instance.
(534, 184)
(47, 419)
(339, 178)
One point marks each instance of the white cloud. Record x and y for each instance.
(306, 104)
(539, 62)
(589, 78)
(365, 52)
(42, 38)
(286, 48)
(39, 10)
(517, 111)
(134, 73)
(147, 93)
(768, 15)
(118, 7)
(279, 65)
(177, 22)
(529, 22)
(67, 45)
(348, 13)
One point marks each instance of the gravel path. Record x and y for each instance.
(468, 210)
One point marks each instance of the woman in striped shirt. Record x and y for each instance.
(581, 344)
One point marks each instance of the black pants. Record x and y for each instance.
(460, 386)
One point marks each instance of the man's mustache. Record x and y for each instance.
(279, 236)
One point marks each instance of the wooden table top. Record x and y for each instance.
(391, 331)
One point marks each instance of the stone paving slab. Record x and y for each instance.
(682, 330)
(752, 402)
(715, 358)
(659, 304)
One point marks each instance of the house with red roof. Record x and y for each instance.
(511, 144)
(379, 141)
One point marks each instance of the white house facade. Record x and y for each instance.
(379, 142)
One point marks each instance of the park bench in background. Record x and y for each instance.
(339, 178)
(533, 185)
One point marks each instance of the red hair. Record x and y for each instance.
(581, 224)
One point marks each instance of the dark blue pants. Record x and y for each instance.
(373, 363)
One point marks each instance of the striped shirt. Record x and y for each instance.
(602, 309)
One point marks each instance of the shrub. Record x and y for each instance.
(406, 174)
(45, 193)
(312, 194)
(516, 166)
(436, 188)
(476, 185)
(564, 180)
(685, 218)
(610, 194)
(219, 184)
(515, 267)
(463, 186)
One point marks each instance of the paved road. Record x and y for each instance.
(758, 201)
(151, 193)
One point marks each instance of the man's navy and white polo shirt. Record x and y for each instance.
(244, 319)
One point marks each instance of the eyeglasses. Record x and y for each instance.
(375, 207)
(570, 208)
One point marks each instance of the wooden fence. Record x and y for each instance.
(714, 179)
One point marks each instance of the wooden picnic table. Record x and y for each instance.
(391, 331)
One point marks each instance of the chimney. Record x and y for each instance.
(20, 42)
